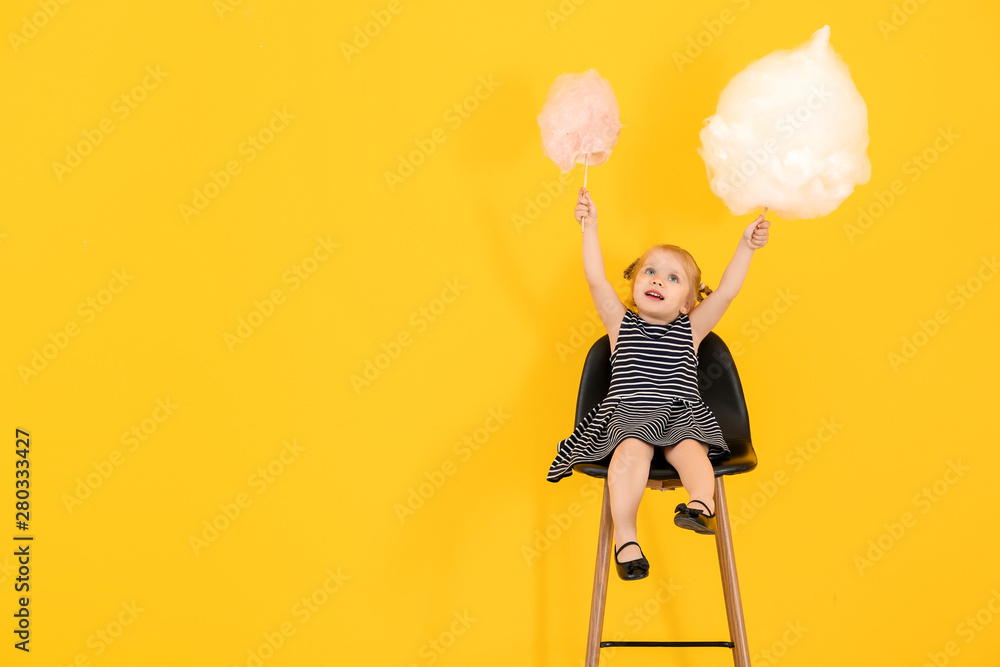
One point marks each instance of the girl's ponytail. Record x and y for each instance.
(703, 291)
(628, 271)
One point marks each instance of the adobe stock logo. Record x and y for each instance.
(421, 319)
(701, 41)
(561, 522)
(923, 500)
(926, 330)
(967, 629)
(223, 7)
(104, 468)
(306, 608)
(779, 648)
(250, 148)
(29, 28)
(263, 310)
(901, 14)
(122, 106)
(104, 638)
(915, 167)
(566, 9)
(534, 206)
(436, 478)
(87, 309)
(751, 505)
(230, 511)
(432, 650)
(381, 18)
(455, 116)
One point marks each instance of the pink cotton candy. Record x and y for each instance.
(579, 121)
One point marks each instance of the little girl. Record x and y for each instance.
(653, 400)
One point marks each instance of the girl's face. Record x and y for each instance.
(662, 288)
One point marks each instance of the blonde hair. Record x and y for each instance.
(698, 289)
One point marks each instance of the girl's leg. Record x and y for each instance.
(690, 458)
(627, 478)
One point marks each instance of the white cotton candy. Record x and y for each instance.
(579, 120)
(790, 133)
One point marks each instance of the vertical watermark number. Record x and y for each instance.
(22, 517)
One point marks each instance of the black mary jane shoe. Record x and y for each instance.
(694, 519)
(633, 569)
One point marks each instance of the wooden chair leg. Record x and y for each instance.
(600, 582)
(730, 584)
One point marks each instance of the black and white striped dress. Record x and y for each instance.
(653, 396)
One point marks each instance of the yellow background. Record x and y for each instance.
(509, 340)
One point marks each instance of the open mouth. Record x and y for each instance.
(653, 294)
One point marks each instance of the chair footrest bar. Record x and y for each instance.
(718, 644)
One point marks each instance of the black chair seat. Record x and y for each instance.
(742, 459)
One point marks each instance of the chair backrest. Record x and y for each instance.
(718, 382)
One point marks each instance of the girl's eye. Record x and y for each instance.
(674, 278)
(648, 269)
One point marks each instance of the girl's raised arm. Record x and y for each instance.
(609, 305)
(713, 307)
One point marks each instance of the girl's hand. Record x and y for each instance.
(755, 235)
(586, 209)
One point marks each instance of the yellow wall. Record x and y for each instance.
(217, 298)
